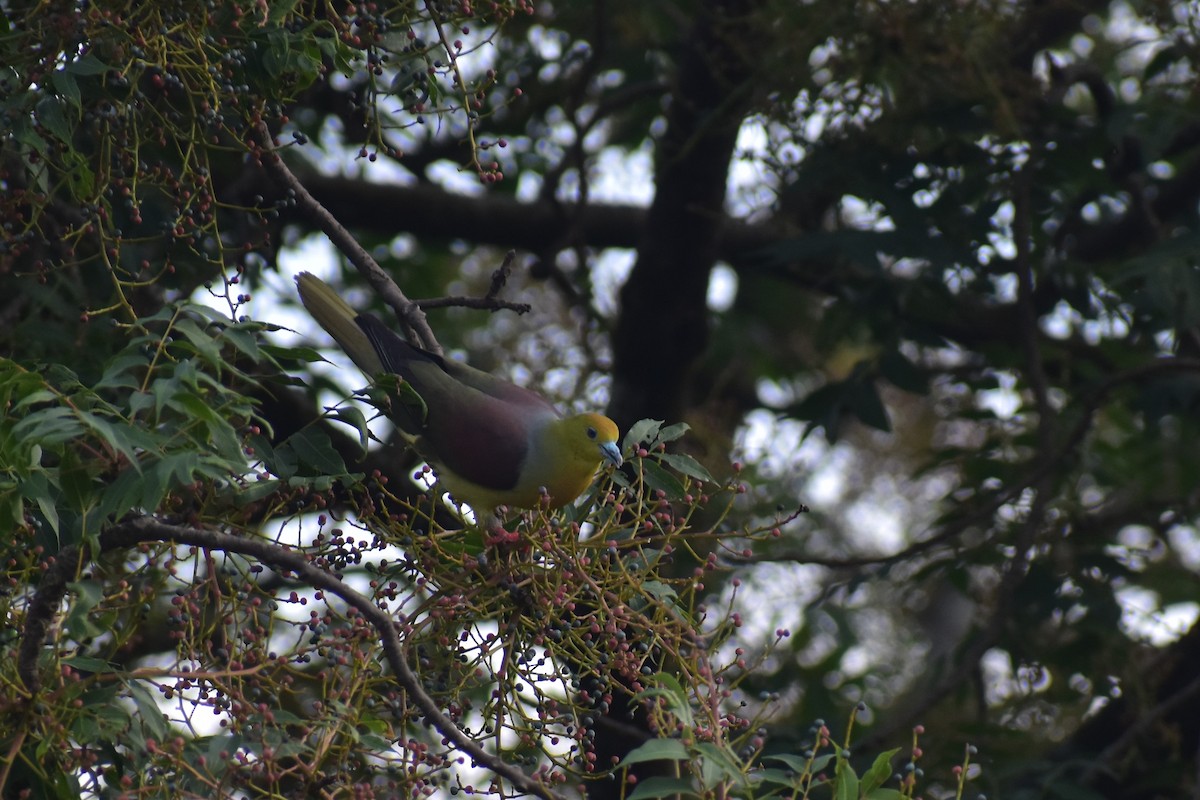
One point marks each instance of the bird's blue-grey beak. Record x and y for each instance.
(612, 453)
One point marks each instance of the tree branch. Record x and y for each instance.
(136, 530)
(42, 608)
(490, 301)
(410, 315)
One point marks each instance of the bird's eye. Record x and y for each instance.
(591, 432)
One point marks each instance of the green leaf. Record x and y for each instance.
(114, 719)
(375, 742)
(305, 65)
(396, 397)
(280, 461)
(49, 427)
(717, 766)
(800, 764)
(255, 491)
(24, 133)
(50, 114)
(125, 493)
(645, 430)
(276, 56)
(12, 509)
(673, 432)
(847, 781)
(796, 763)
(662, 787)
(880, 771)
(778, 776)
(658, 479)
(124, 372)
(115, 437)
(667, 686)
(223, 743)
(658, 590)
(821, 762)
(245, 342)
(35, 397)
(76, 481)
(78, 623)
(90, 592)
(342, 54)
(308, 355)
(46, 506)
(884, 794)
(279, 10)
(357, 420)
(87, 65)
(314, 449)
(89, 664)
(683, 463)
(223, 437)
(79, 174)
(206, 346)
(65, 85)
(178, 469)
(149, 712)
(657, 750)
(36, 487)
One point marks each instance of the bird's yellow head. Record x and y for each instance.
(573, 449)
(593, 437)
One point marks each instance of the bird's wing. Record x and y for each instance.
(477, 426)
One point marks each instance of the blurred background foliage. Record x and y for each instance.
(929, 268)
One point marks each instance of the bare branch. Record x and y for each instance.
(481, 303)
(500, 276)
(490, 301)
(410, 315)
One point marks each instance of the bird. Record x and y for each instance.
(492, 443)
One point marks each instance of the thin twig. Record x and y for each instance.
(490, 301)
(481, 303)
(501, 275)
(410, 315)
(851, 562)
